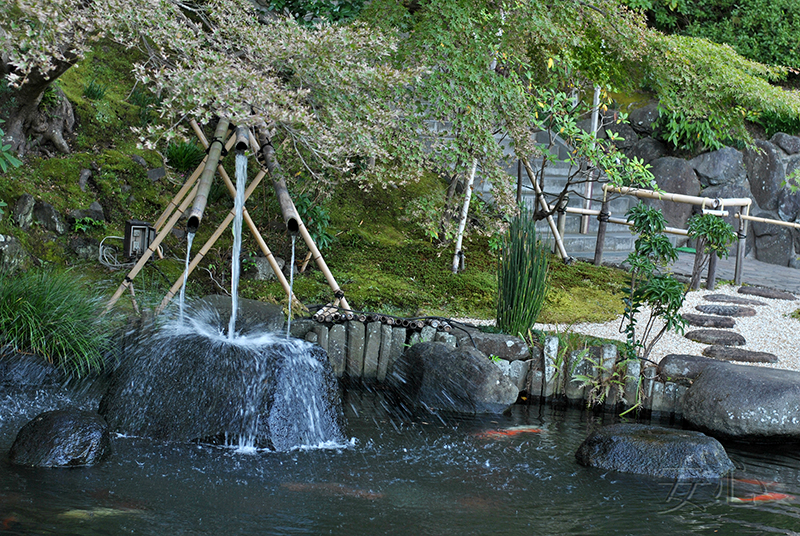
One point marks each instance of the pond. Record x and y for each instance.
(513, 474)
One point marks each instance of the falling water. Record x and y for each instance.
(291, 287)
(238, 207)
(182, 301)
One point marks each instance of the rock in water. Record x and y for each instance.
(655, 451)
(431, 376)
(744, 402)
(188, 382)
(62, 438)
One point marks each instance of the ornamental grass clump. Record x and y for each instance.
(55, 315)
(521, 276)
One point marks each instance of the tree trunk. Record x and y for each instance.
(462, 222)
(27, 122)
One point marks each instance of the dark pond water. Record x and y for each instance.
(398, 476)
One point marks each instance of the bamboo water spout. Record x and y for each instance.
(207, 177)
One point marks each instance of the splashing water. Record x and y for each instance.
(291, 287)
(238, 207)
(182, 301)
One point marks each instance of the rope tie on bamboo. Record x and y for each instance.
(223, 150)
(604, 216)
(339, 294)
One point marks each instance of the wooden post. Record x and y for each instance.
(741, 246)
(602, 219)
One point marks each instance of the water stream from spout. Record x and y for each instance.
(291, 286)
(238, 207)
(182, 300)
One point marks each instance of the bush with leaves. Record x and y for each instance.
(713, 236)
(521, 276)
(55, 315)
(7, 159)
(662, 293)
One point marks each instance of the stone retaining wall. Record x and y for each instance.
(364, 352)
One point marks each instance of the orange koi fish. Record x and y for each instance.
(507, 432)
(772, 496)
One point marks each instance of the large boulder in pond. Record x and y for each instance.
(506, 347)
(655, 451)
(745, 402)
(251, 315)
(61, 438)
(189, 382)
(431, 376)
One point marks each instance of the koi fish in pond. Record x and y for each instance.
(772, 496)
(332, 489)
(507, 432)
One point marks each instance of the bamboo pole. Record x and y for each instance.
(207, 177)
(273, 263)
(767, 220)
(209, 243)
(543, 202)
(680, 198)
(278, 182)
(741, 245)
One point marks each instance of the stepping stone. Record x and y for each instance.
(767, 293)
(726, 353)
(732, 299)
(716, 336)
(726, 310)
(705, 321)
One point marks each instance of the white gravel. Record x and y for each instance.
(771, 330)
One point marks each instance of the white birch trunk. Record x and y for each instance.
(462, 222)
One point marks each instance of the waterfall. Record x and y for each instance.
(238, 207)
(291, 290)
(182, 300)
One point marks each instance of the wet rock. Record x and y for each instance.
(62, 438)
(745, 402)
(262, 270)
(773, 243)
(430, 376)
(789, 144)
(28, 370)
(767, 293)
(23, 211)
(725, 353)
(725, 298)
(250, 315)
(716, 336)
(674, 175)
(655, 451)
(766, 173)
(706, 321)
(737, 311)
(642, 119)
(674, 367)
(498, 344)
(723, 166)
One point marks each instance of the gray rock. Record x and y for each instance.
(642, 119)
(723, 166)
(725, 298)
(498, 344)
(95, 212)
(677, 176)
(156, 173)
(62, 438)
(788, 204)
(737, 311)
(12, 256)
(789, 144)
(432, 377)
(337, 349)
(772, 243)
(767, 293)
(725, 353)
(29, 371)
(83, 179)
(262, 270)
(85, 248)
(745, 402)
(23, 211)
(655, 451)
(139, 160)
(356, 335)
(766, 173)
(705, 321)
(716, 336)
(49, 217)
(674, 367)
(627, 135)
(300, 327)
(647, 150)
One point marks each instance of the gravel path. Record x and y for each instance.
(771, 330)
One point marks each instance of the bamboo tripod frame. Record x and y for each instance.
(182, 201)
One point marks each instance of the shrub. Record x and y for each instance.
(184, 156)
(521, 276)
(94, 91)
(55, 315)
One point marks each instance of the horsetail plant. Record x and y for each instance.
(521, 276)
